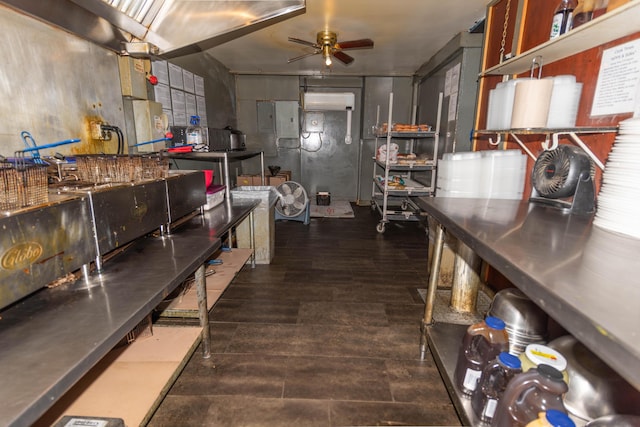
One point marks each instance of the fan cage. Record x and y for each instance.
(293, 199)
(551, 171)
(557, 173)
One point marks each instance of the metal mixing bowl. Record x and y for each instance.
(595, 390)
(615, 421)
(525, 322)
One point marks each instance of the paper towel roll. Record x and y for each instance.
(531, 104)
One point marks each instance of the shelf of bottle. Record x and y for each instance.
(444, 342)
(611, 26)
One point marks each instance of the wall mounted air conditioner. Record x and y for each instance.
(318, 101)
(338, 101)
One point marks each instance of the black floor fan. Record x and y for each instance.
(563, 178)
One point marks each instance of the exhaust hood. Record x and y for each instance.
(171, 28)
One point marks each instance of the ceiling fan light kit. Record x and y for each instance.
(327, 45)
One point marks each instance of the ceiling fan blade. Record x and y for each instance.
(303, 56)
(304, 42)
(343, 57)
(355, 44)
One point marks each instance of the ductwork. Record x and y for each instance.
(167, 28)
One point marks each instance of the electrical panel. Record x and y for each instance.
(287, 124)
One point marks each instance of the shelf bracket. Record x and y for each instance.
(524, 147)
(586, 149)
(576, 139)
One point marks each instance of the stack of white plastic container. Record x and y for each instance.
(521, 103)
(491, 174)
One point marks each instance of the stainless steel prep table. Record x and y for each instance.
(224, 217)
(54, 337)
(224, 156)
(584, 277)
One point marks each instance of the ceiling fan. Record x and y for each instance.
(327, 45)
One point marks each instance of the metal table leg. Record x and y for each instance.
(252, 239)
(203, 312)
(438, 247)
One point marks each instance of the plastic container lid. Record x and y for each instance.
(541, 354)
(558, 419)
(509, 360)
(550, 372)
(494, 323)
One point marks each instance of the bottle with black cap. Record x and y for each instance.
(527, 394)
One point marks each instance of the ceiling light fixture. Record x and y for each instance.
(326, 54)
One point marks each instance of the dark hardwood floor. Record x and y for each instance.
(326, 335)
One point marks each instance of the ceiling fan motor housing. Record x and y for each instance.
(327, 38)
(327, 45)
(556, 173)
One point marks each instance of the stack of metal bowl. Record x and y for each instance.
(596, 390)
(525, 322)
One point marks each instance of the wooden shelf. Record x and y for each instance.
(131, 381)
(186, 304)
(611, 26)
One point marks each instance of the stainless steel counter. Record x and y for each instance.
(224, 156)
(227, 215)
(51, 339)
(584, 277)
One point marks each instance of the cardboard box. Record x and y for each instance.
(277, 180)
(244, 180)
(257, 180)
(285, 174)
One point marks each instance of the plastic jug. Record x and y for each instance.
(495, 377)
(482, 343)
(528, 394)
(552, 418)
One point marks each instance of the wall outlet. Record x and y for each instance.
(99, 132)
